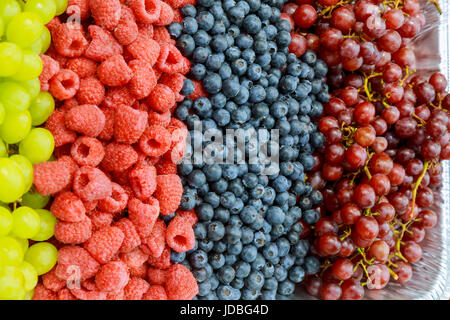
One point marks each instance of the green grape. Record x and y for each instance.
(46, 9)
(6, 221)
(11, 253)
(33, 87)
(42, 44)
(31, 67)
(41, 108)
(2, 113)
(8, 9)
(23, 244)
(26, 223)
(12, 181)
(42, 256)
(26, 168)
(10, 59)
(47, 229)
(2, 27)
(11, 284)
(61, 6)
(34, 200)
(24, 29)
(15, 127)
(38, 145)
(13, 96)
(29, 295)
(30, 276)
(3, 150)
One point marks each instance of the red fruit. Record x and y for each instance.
(68, 207)
(143, 215)
(180, 235)
(105, 243)
(68, 40)
(116, 202)
(42, 293)
(155, 292)
(82, 66)
(145, 11)
(144, 79)
(112, 277)
(119, 157)
(145, 49)
(135, 288)
(64, 85)
(305, 16)
(87, 151)
(131, 239)
(106, 13)
(127, 30)
(74, 260)
(103, 45)
(180, 283)
(168, 192)
(155, 242)
(155, 141)
(86, 119)
(143, 181)
(161, 98)
(90, 184)
(51, 177)
(129, 124)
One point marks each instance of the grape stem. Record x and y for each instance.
(366, 85)
(416, 186)
(436, 3)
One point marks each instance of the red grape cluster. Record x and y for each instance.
(387, 129)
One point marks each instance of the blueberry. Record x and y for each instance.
(268, 294)
(217, 10)
(278, 60)
(213, 282)
(297, 274)
(199, 274)
(277, 230)
(212, 83)
(283, 25)
(202, 38)
(316, 197)
(204, 288)
(242, 95)
(239, 66)
(225, 71)
(320, 69)
(311, 265)
(217, 260)
(188, 11)
(226, 274)
(198, 71)
(249, 253)
(300, 249)
(247, 235)
(236, 15)
(288, 84)
(220, 247)
(205, 212)
(186, 44)
(175, 29)
(232, 53)
(271, 32)
(238, 205)
(257, 94)
(257, 192)
(263, 60)
(228, 4)
(264, 11)
(200, 231)
(177, 257)
(188, 88)
(259, 262)
(214, 62)
(231, 88)
(201, 54)
(220, 186)
(311, 216)
(236, 187)
(278, 109)
(198, 259)
(254, 281)
(233, 233)
(206, 245)
(189, 25)
(248, 294)
(205, 20)
(244, 41)
(225, 292)
(251, 24)
(259, 239)
(317, 139)
(286, 288)
(227, 199)
(280, 273)
(187, 201)
(219, 43)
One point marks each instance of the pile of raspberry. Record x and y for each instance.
(116, 78)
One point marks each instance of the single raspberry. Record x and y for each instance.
(146, 29)
(103, 45)
(131, 239)
(165, 167)
(64, 85)
(170, 59)
(135, 258)
(163, 261)
(112, 276)
(118, 96)
(144, 79)
(184, 69)
(108, 131)
(139, 272)
(161, 98)
(100, 219)
(105, 244)
(90, 205)
(50, 67)
(175, 82)
(50, 177)
(129, 124)
(56, 125)
(79, 6)
(158, 119)
(73, 232)
(199, 91)
(161, 35)
(82, 66)
(156, 241)
(155, 292)
(68, 40)
(180, 283)
(85, 119)
(83, 294)
(87, 151)
(145, 11)
(117, 201)
(190, 216)
(68, 207)
(119, 157)
(156, 275)
(143, 181)
(166, 15)
(90, 184)
(65, 294)
(52, 282)
(53, 23)
(180, 235)
(114, 71)
(143, 215)
(117, 295)
(177, 17)
(74, 262)
(155, 141)
(181, 3)
(91, 91)
(70, 164)
(106, 13)
(135, 288)
(127, 29)
(42, 293)
(168, 192)
(144, 49)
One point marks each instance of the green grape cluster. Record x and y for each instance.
(23, 108)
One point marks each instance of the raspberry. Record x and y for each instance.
(106, 13)
(114, 71)
(87, 151)
(68, 207)
(83, 294)
(175, 82)
(100, 219)
(50, 67)
(144, 49)
(90, 205)
(73, 232)
(117, 201)
(168, 192)
(62, 60)
(68, 40)
(135, 258)
(75, 261)
(135, 288)
(180, 235)
(177, 17)
(146, 30)
(127, 30)
(161, 35)
(129, 124)
(81, 7)
(89, 284)
(144, 79)
(170, 59)
(53, 23)
(163, 261)
(143, 181)
(69, 104)
(62, 151)
(156, 276)
(161, 98)
(143, 215)
(50, 177)
(199, 91)
(158, 119)
(181, 3)
(105, 244)
(156, 241)
(155, 292)
(90, 184)
(118, 96)
(65, 294)
(108, 131)
(190, 216)
(82, 66)
(166, 15)
(42, 293)
(139, 272)
(103, 44)
(70, 164)
(180, 283)
(85, 119)
(165, 167)
(155, 141)
(56, 125)
(64, 85)
(52, 282)
(112, 276)
(145, 11)
(131, 239)
(184, 69)
(117, 295)
(119, 157)
(91, 91)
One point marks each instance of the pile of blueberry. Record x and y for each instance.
(248, 235)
